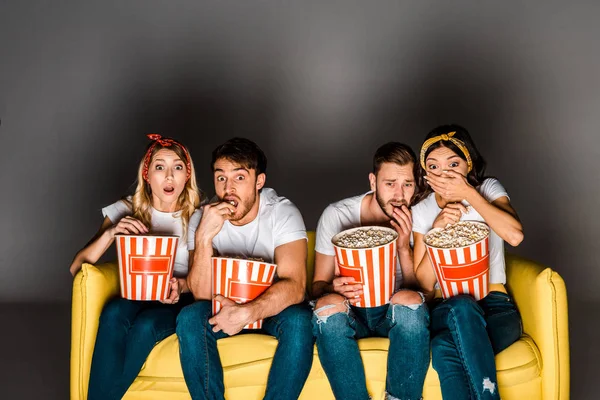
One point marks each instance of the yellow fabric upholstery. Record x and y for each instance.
(535, 367)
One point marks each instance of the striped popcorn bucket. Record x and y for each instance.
(374, 268)
(462, 270)
(146, 265)
(240, 281)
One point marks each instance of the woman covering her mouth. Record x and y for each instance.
(465, 333)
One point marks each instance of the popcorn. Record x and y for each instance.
(460, 234)
(365, 237)
(367, 254)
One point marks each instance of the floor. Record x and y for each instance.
(34, 351)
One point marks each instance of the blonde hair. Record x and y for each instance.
(189, 199)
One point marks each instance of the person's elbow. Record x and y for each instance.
(296, 290)
(75, 267)
(515, 237)
(426, 282)
(195, 290)
(76, 264)
(299, 293)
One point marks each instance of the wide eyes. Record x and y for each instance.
(453, 164)
(222, 178)
(160, 167)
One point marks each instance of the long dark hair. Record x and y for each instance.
(477, 174)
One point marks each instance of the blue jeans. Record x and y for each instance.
(201, 363)
(408, 357)
(127, 332)
(466, 334)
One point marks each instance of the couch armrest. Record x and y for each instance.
(93, 286)
(541, 296)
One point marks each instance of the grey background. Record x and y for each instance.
(318, 85)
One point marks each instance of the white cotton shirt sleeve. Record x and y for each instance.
(192, 227)
(327, 227)
(288, 224)
(491, 189)
(116, 211)
(419, 214)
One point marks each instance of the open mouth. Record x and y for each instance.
(231, 201)
(169, 190)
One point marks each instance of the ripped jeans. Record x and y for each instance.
(466, 334)
(408, 357)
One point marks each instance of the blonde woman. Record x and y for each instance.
(165, 199)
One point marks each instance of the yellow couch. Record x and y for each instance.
(535, 367)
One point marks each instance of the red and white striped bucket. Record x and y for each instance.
(374, 268)
(241, 281)
(146, 265)
(462, 270)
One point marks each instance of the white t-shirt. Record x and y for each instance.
(427, 210)
(339, 216)
(278, 222)
(162, 223)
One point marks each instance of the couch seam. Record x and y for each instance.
(555, 328)
(82, 330)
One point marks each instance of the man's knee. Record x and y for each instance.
(118, 311)
(408, 298)
(330, 304)
(154, 323)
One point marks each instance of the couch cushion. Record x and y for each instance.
(247, 358)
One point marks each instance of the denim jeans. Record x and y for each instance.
(466, 334)
(408, 357)
(127, 332)
(201, 364)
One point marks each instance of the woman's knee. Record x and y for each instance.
(463, 305)
(158, 323)
(194, 316)
(119, 311)
(455, 312)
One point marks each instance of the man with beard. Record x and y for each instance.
(249, 221)
(337, 322)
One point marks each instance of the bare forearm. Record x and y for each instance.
(320, 288)
(93, 251)
(505, 224)
(424, 274)
(277, 298)
(200, 274)
(407, 266)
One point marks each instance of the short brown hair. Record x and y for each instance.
(241, 151)
(393, 152)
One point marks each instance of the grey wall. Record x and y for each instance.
(318, 84)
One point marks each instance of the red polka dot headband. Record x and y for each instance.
(165, 142)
